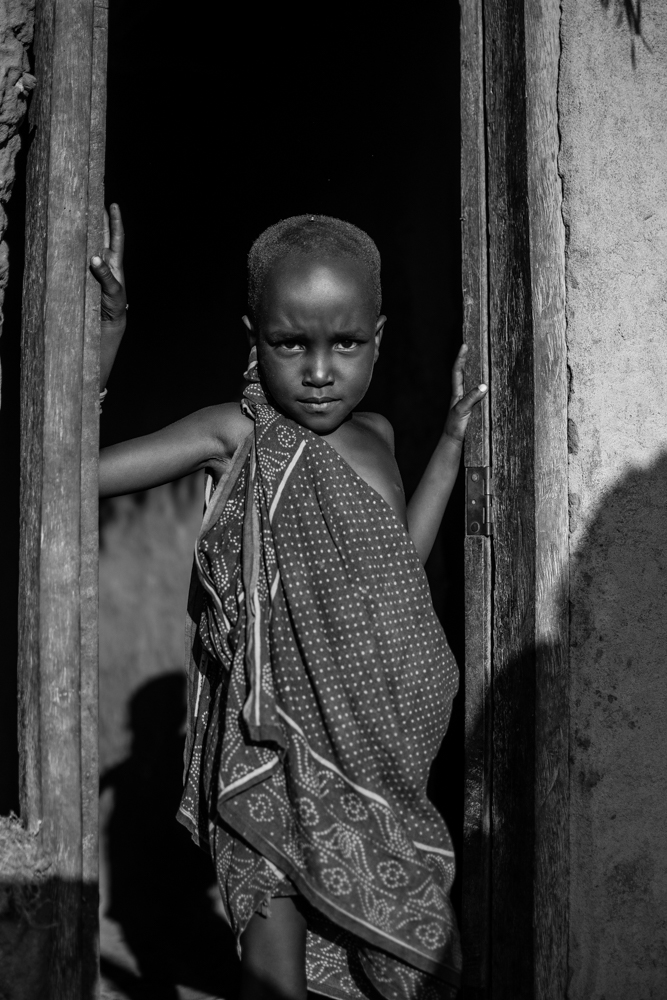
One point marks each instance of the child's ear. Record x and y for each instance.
(252, 334)
(379, 330)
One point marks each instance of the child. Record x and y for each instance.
(320, 678)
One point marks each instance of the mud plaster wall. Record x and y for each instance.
(17, 18)
(613, 121)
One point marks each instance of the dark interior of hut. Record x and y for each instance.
(215, 130)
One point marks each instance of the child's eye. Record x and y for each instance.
(347, 345)
(292, 346)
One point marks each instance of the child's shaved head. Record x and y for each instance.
(318, 236)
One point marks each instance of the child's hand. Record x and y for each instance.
(461, 405)
(107, 268)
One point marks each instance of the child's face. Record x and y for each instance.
(317, 339)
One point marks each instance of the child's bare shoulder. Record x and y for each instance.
(367, 444)
(378, 426)
(231, 421)
(227, 425)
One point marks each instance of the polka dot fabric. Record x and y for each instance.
(320, 690)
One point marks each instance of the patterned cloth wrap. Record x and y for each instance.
(320, 688)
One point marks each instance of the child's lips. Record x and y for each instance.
(319, 404)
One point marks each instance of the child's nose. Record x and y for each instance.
(318, 372)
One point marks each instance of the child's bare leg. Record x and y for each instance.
(273, 954)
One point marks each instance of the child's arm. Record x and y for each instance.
(206, 439)
(428, 503)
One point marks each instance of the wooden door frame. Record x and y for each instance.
(57, 662)
(515, 862)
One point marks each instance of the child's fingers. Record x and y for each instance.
(475, 396)
(105, 275)
(117, 241)
(458, 371)
(467, 403)
(106, 228)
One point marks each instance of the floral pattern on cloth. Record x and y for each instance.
(320, 688)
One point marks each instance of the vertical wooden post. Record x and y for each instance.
(513, 443)
(547, 267)
(515, 927)
(476, 870)
(90, 446)
(58, 549)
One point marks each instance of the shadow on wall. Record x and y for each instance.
(618, 744)
(618, 761)
(629, 11)
(146, 545)
(160, 883)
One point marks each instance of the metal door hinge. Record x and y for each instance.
(479, 501)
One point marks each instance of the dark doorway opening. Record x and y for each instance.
(218, 128)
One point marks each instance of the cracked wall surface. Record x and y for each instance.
(613, 121)
(16, 29)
